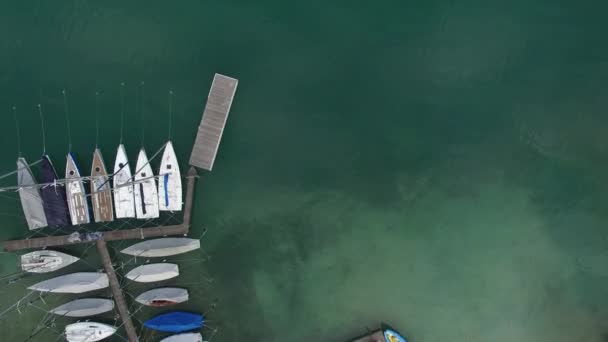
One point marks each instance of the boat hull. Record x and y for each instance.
(101, 193)
(162, 247)
(76, 195)
(169, 181)
(153, 272)
(88, 331)
(146, 196)
(29, 194)
(53, 196)
(175, 322)
(84, 307)
(163, 296)
(124, 201)
(187, 337)
(45, 261)
(79, 282)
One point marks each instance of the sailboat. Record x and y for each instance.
(84, 307)
(78, 282)
(162, 247)
(169, 181)
(186, 337)
(29, 193)
(88, 331)
(53, 196)
(101, 193)
(124, 201)
(163, 296)
(153, 272)
(46, 261)
(175, 322)
(77, 197)
(146, 196)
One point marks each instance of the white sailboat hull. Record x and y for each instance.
(162, 247)
(45, 261)
(187, 337)
(84, 307)
(169, 181)
(146, 196)
(73, 283)
(88, 331)
(76, 196)
(31, 201)
(124, 200)
(163, 296)
(153, 272)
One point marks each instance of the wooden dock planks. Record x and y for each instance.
(214, 119)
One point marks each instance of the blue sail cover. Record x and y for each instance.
(175, 322)
(53, 196)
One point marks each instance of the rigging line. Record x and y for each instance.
(96, 119)
(19, 169)
(143, 121)
(42, 124)
(67, 119)
(18, 133)
(122, 108)
(170, 111)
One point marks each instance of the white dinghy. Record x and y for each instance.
(163, 296)
(146, 196)
(187, 337)
(73, 283)
(162, 247)
(29, 193)
(88, 331)
(153, 272)
(45, 261)
(84, 307)
(169, 181)
(124, 201)
(76, 196)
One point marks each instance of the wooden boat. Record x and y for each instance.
(169, 181)
(53, 196)
(146, 196)
(88, 331)
(76, 196)
(163, 296)
(101, 193)
(73, 283)
(175, 322)
(124, 201)
(45, 261)
(84, 307)
(162, 247)
(186, 337)
(153, 272)
(29, 193)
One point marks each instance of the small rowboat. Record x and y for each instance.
(46, 261)
(88, 331)
(162, 247)
(73, 283)
(163, 296)
(153, 272)
(84, 307)
(175, 322)
(187, 337)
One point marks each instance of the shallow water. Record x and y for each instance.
(439, 167)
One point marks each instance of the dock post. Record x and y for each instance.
(121, 305)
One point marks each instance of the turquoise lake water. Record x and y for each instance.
(439, 166)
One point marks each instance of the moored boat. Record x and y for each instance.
(75, 194)
(88, 331)
(124, 201)
(45, 261)
(84, 307)
(101, 193)
(29, 194)
(169, 181)
(146, 196)
(153, 272)
(186, 337)
(175, 322)
(162, 247)
(53, 195)
(163, 296)
(73, 283)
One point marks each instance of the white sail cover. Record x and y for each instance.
(146, 196)
(153, 272)
(29, 193)
(169, 181)
(162, 247)
(73, 283)
(84, 307)
(124, 201)
(163, 296)
(187, 337)
(88, 331)
(46, 261)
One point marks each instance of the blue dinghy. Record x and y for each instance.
(175, 322)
